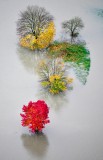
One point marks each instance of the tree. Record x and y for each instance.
(73, 26)
(35, 28)
(33, 21)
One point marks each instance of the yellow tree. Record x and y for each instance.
(35, 28)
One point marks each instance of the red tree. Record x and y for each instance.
(35, 115)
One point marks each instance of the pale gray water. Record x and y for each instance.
(76, 128)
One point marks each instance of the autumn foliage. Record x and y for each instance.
(35, 28)
(53, 76)
(42, 41)
(35, 115)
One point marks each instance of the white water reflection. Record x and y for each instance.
(80, 72)
(30, 59)
(55, 102)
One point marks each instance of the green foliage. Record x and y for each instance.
(56, 48)
(57, 86)
(56, 42)
(53, 78)
(76, 54)
(45, 83)
(80, 72)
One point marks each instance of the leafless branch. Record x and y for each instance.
(33, 20)
(73, 27)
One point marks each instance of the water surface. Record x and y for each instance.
(76, 128)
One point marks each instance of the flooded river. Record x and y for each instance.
(75, 131)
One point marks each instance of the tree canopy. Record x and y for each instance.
(73, 27)
(33, 21)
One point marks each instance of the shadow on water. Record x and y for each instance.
(30, 59)
(35, 144)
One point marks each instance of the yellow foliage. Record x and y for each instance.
(42, 63)
(54, 77)
(45, 83)
(42, 41)
(56, 83)
(53, 91)
(70, 80)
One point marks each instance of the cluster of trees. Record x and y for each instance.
(36, 28)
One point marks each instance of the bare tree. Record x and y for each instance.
(73, 26)
(33, 21)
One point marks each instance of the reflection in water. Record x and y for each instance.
(36, 144)
(30, 59)
(97, 11)
(54, 101)
(80, 72)
(100, 12)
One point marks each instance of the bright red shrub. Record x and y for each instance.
(35, 115)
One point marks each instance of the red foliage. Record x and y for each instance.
(35, 115)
